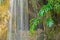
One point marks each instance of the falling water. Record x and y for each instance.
(18, 8)
(23, 19)
(10, 21)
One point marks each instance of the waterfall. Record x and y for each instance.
(10, 21)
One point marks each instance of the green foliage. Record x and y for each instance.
(44, 9)
(33, 23)
(49, 22)
(52, 4)
(57, 8)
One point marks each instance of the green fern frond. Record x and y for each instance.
(49, 22)
(44, 9)
(33, 23)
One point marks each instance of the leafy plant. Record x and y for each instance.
(51, 5)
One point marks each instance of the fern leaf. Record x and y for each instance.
(44, 9)
(33, 23)
(49, 22)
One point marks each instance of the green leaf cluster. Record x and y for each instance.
(33, 23)
(51, 5)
